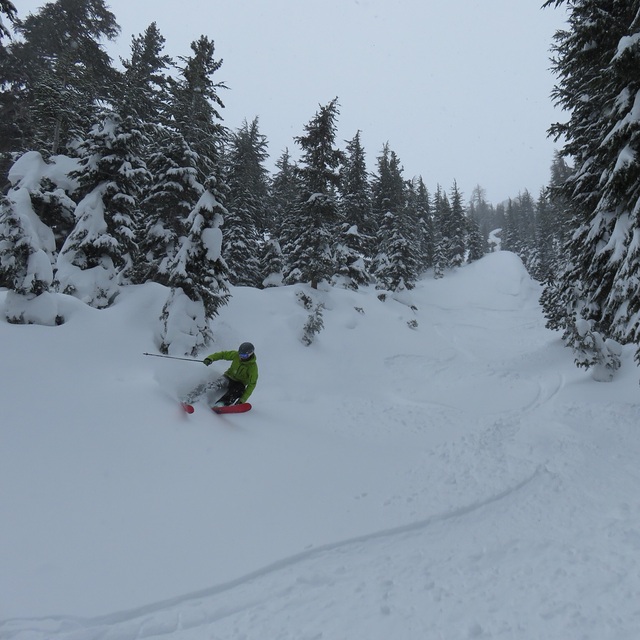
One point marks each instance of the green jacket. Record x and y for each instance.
(245, 371)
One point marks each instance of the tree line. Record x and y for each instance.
(594, 295)
(157, 189)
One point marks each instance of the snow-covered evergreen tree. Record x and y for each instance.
(527, 222)
(272, 263)
(247, 205)
(545, 260)
(484, 212)
(195, 109)
(196, 271)
(170, 199)
(456, 230)
(475, 241)
(596, 62)
(425, 224)
(519, 232)
(309, 234)
(101, 251)
(285, 194)
(51, 187)
(144, 84)
(27, 246)
(560, 207)
(356, 235)
(441, 216)
(8, 9)
(60, 72)
(510, 239)
(197, 278)
(396, 266)
(439, 260)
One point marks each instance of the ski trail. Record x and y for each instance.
(546, 392)
(181, 613)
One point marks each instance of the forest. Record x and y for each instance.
(114, 177)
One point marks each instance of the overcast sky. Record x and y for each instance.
(459, 88)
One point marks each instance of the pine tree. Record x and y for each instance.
(197, 273)
(185, 154)
(197, 279)
(475, 241)
(596, 294)
(10, 99)
(510, 238)
(439, 260)
(425, 225)
(51, 201)
(144, 85)
(61, 72)
(246, 204)
(101, 251)
(355, 189)
(545, 261)
(170, 198)
(456, 230)
(520, 228)
(559, 204)
(285, 194)
(500, 225)
(356, 234)
(7, 9)
(483, 212)
(271, 263)
(195, 108)
(396, 265)
(442, 224)
(26, 250)
(310, 237)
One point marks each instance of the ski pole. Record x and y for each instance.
(158, 355)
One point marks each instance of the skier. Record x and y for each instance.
(240, 378)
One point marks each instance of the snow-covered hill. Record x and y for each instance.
(442, 471)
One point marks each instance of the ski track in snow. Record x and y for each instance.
(141, 623)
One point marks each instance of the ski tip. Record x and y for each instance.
(187, 407)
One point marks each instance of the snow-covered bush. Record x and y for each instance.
(305, 300)
(313, 326)
(594, 352)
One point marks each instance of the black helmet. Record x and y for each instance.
(245, 350)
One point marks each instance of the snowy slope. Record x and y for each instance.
(459, 479)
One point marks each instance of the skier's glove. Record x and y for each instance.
(207, 361)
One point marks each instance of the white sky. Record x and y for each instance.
(459, 88)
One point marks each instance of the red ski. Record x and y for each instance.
(187, 407)
(233, 408)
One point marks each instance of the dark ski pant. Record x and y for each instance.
(234, 390)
